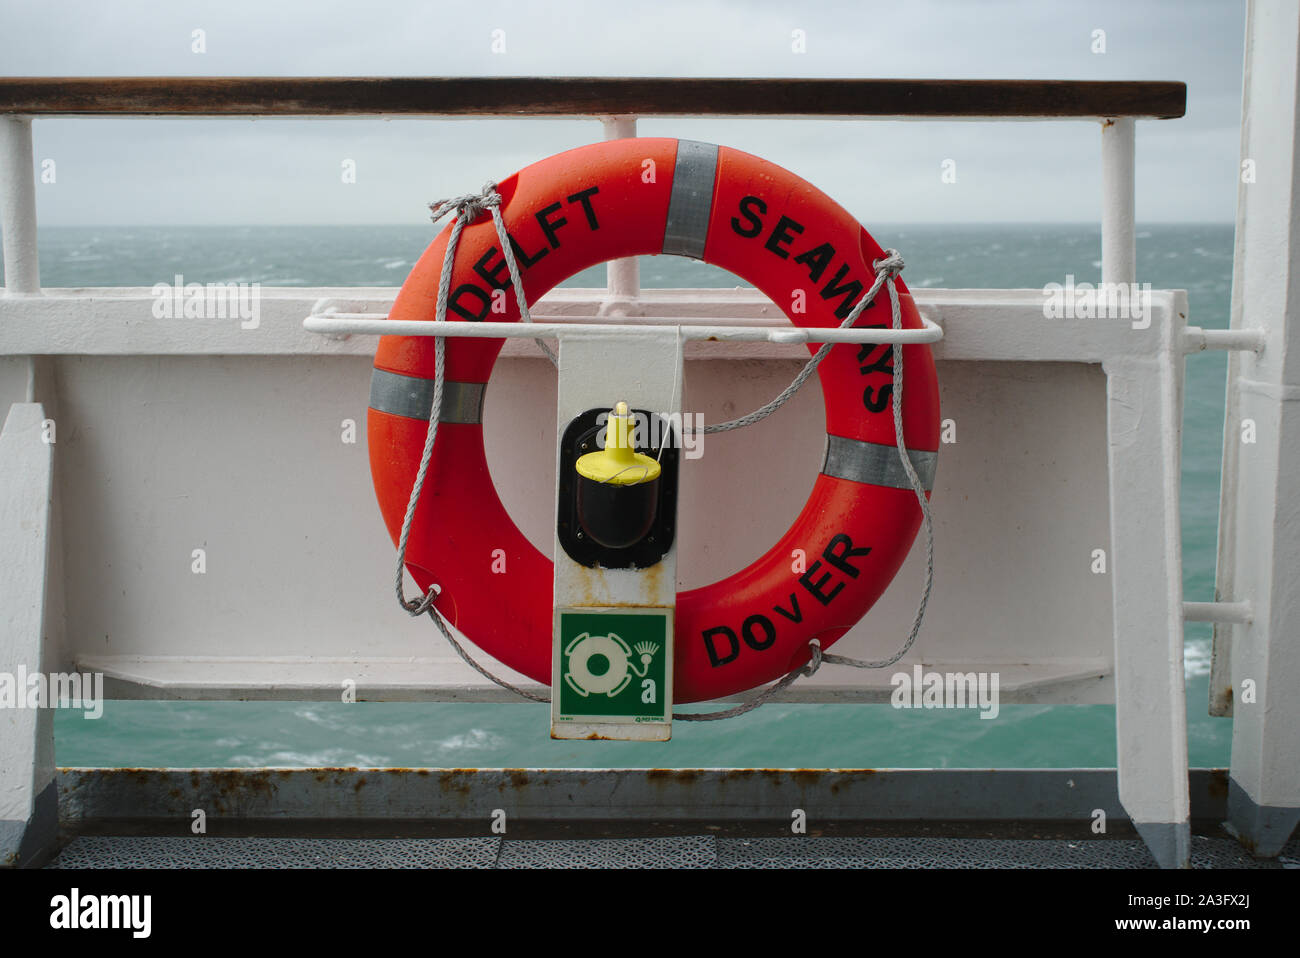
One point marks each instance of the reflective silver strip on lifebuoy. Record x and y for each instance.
(412, 397)
(876, 464)
(691, 202)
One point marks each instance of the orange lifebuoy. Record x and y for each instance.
(743, 214)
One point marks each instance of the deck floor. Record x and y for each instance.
(687, 851)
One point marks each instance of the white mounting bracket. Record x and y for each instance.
(598, 368)
(687, 328)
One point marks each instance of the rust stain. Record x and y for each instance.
(235, 782)
(806, 776)
(591, 585)
(359, 784)
(683, 776)
(802, 776)
(652, 578)
(456, 781)
(593, 591)
(141, 775)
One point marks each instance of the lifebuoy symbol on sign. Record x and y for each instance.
(603, 665)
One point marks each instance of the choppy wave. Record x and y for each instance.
(1196, 657)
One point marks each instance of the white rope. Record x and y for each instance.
(915, 481)
(886, 269)
(467, 208)
(778, 686)
(446, 634)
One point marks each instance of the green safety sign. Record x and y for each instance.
(613, 666)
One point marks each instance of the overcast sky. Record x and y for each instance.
(180, 171)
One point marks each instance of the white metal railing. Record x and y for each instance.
(17, 181)
(18, 206)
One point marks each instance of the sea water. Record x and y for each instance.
(1195, 257)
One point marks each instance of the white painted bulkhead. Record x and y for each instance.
(243, 457)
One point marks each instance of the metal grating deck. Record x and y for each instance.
(702, 851)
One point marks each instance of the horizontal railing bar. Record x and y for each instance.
(979, 324)
(1240, 613)
(589, 96)
(1196, 339)
(371, 324)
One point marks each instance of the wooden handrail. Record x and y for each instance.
(588, 96)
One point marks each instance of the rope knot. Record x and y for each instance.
(892, 263)
(816, 662)
(468, 207)
(417, 607)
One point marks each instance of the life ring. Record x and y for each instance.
(635, 197)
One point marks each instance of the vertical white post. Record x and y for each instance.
(18, 205)
(29, 806)
(1118, 246)
(1144, 407)
(623, 276)
(1225, 586)
(1259, 538)
(1145, 404)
